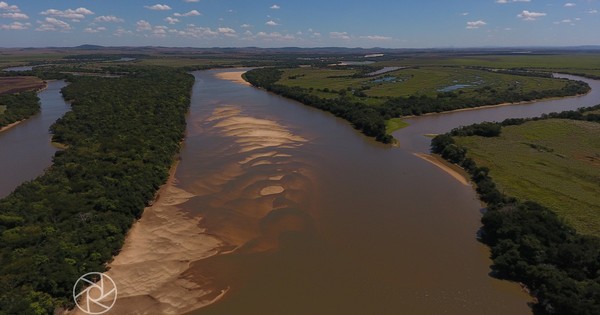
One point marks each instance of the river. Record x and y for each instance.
(279, 208)
(25, 149)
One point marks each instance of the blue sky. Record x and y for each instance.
(307, 23)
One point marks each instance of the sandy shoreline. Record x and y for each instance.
(11, 125)
(235, 76)
(158, 250)
(435, 161)
(22, 120)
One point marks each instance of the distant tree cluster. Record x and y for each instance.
(121, 135)
(371, 119)
(529, 243)
(19, 106)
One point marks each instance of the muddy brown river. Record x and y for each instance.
(278, 208)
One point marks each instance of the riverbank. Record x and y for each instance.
(459, 175)
(159, 248)
(11, 125)
(498, 105)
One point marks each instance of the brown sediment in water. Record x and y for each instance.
(218, 212)
(233, 77)
(159, 248)
(437, 162)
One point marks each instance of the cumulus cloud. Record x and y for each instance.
(158, 7)
(15, 16)
(274, 36)
(376, 37)
(275, 7)
(475, 24)
(227, 31)
(245, 26)
(339, 35)
(272, 23)
(143, 25)
(121, 31)
(74, 15)
(190, 13)
(197, 32)
(53, 24)
(94, 30)
(569, 5)
(530, 16)
(593, 11)
(15, 26)
(171, 20)
(10, 8)
(109, 19)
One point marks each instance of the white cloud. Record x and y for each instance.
(53, 24)
(10, 8)
(190, 13)
(569, 5)
(275, 7)
(464, 13)
(94, 30)
(227, 31)
(72, 14)
(109, 19)
(274, 36)
(475, 24)
(158, 7)
(272, 23)
(194, 31)
(121, 31)
(339, 35)
(530, 16)
(143, 25)
(15, 26)
(171, 20)
(376, 37)
(593, 11)
(245, 26)
(15, 16)
(160, 31)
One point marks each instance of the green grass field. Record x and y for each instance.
(553, 162)
(394, 124)
(573, 63)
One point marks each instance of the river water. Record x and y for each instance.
(311, 216)
(25, 149)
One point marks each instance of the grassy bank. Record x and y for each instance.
(555, 163)
(538, 177)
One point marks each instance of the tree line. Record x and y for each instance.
(370, 120)
(121, 135)
(18, 106)
(529, 242)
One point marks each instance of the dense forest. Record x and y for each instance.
(371, 119)
(121, 136)
(529, 242)
(18, 106)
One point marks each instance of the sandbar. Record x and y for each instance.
(235, 76)
(435, 161)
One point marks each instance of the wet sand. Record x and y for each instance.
(233, 77)
(437, 162)
(159, 248)
(11, 125)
